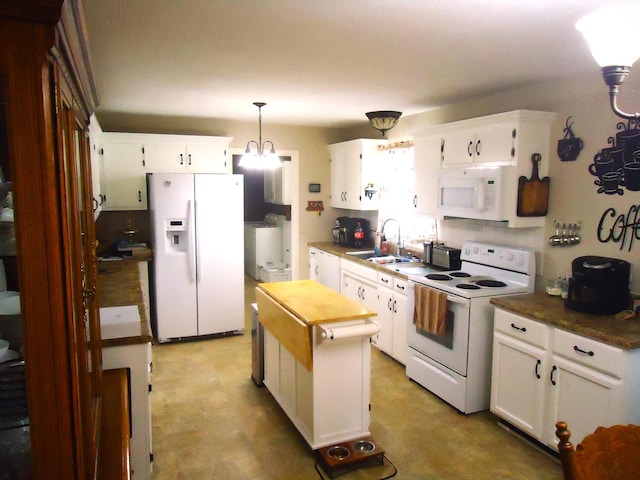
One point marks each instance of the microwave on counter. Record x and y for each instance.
(477, 192)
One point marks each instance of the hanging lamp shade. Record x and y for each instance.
(383, 120)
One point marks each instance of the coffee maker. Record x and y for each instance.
(347, 229)
(599, 285)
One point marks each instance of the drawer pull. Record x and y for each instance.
(538, 362)
(553, 370)
(522, 329)
(579, 350)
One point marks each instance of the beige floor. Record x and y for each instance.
(211, 422)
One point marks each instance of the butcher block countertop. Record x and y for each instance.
(624, 334)
(288, 309)
(119, 286)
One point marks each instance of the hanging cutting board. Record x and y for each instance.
(533, 193)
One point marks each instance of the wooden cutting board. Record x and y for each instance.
(533, 193)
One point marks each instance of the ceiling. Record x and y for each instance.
(325, 62)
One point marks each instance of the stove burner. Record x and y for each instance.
(438, 276)
(468, 286)
(460, 274)
(491, 283)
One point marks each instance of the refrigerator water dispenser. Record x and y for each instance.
(176, 235)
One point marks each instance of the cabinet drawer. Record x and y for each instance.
(588, 352)
(363, 271)
(385, 280)
(525, 329)
(401, 286)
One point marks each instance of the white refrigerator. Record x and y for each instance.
(197, 231)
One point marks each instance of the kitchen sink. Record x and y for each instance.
(383, 258)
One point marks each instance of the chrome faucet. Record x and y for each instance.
(399, 245)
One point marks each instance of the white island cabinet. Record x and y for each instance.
(317, 359)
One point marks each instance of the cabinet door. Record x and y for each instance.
(166, 157)
(582, 397)
(458, 147)
(495, 143)
(400, 312)
(207, 158)
(426, 166)
(384, 307)
(518, 383)
(345, 175)
(351, 287)
(277, 183)
(124, 172)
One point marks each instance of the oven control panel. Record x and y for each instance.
(517, 259)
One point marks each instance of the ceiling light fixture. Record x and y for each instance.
(259, 158)
(612, 35)
(383, 120)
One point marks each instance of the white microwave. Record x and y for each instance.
(475, 192)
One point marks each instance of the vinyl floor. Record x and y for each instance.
(211, 422)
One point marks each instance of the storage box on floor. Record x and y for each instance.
(274, 272)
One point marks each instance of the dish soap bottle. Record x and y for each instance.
(376, 248)
(358, 236)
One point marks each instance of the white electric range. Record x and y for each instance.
(456, 365)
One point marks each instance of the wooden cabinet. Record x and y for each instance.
(501, 139)
(391, 307)
(277, 183)
(124, 167)
(542, 374)
(47, 97)
(355, 171)
(324, 268)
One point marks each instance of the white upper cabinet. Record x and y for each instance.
(97, 174)
(128, 157)
(124, 173)
(501, 139)
(355, 171)
(187, 153)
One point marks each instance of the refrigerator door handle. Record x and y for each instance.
(191, 253)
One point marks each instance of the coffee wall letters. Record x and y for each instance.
(620, 228)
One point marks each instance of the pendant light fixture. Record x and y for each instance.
(259, 158)
(612, 35)
(383, 120)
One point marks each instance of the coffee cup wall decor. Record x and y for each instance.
(569, 147)
(618, 166)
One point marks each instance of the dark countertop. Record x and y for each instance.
(548, 309)
(119, 285)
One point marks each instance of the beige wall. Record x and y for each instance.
(573, 195)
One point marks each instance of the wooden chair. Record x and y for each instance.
(609, 453)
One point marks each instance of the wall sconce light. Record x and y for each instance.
(612, 35)
(259, 158)
(383, 120)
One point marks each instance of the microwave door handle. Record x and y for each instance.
(481, 197)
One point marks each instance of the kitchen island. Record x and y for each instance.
(317, 358)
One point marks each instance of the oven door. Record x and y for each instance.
(451, 348)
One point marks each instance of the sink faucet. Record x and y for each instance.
(399, 245)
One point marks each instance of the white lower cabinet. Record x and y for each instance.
(359, 283)
(391, 307)
(543, 374)
(324, 268)
(136, 358)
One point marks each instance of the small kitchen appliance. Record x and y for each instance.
(445, 257)
(599, 285)
(347, 231)
(454, 362)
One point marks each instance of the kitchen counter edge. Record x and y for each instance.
(624, 334)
